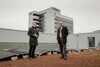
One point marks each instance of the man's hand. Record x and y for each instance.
(35, 35)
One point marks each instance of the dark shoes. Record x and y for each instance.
(30, 58)
(33, 57)
(64, 57)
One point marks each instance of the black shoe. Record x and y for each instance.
(30, 58)
(65, 59)
(34, 57)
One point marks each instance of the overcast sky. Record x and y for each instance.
(86, 13)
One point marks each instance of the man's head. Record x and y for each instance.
(34, 24)
(61, 23)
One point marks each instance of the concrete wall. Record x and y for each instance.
(72, 41)
(97, 41)
(80, 41)
(20, 39)
(83, 40)
(13, 45)
(7, 35)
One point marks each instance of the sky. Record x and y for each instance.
(85, 13)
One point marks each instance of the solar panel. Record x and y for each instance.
(24, 51)
(4, 55)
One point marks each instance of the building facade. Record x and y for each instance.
(48, 20)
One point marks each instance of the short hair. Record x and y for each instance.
(61, 22)
(34, 22)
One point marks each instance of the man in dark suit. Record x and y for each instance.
(62, 34)
(33, 33)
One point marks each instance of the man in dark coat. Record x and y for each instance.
(33, 33)
(62, 34)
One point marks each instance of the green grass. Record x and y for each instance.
(96, 56)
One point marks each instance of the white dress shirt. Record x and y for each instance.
(60, 32)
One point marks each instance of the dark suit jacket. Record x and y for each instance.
(33, 41)
(64, 32)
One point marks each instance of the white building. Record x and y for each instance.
(49, 19)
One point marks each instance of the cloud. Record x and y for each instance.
(86, 13)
